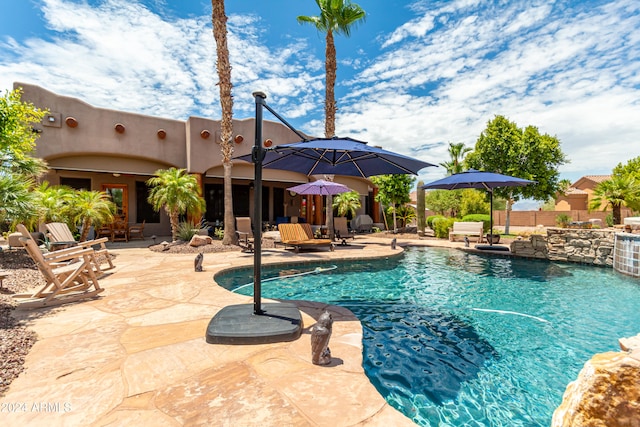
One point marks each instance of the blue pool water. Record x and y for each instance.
(457, 339)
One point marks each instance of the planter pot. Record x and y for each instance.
(493, 238)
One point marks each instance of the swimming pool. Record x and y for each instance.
(458, 339)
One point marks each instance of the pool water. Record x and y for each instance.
(457, 339)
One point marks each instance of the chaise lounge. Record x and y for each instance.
(300, 236)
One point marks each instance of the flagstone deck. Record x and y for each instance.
(137, 355)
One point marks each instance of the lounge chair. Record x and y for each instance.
(300, 236)
(69, 275)
(341, 230)
(245, 233)
(136, 231)
(62, 237)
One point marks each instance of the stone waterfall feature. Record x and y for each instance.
(607, 391)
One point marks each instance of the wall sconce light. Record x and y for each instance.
(238, 139)
(119, 128)
(71, 122)
(162, 134)
(268, 143)
(116, 174)
(205, 134)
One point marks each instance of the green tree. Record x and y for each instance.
(616, 192)
(223, 65)
(177, 192)
(505, 148)
(91, 207)
(336, 16)
(347, 203)
(473, 202)
(443, 202)
(457, 152)
(18, 168)
(631, 168)
(393, 190)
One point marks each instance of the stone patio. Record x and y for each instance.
(137, 354)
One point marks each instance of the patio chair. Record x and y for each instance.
(341, 229)
(69, 276)
(136, 231)
(300, 236)
(119, 230)
(245, 233)
(61, 237)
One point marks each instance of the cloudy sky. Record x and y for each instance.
(412, 78)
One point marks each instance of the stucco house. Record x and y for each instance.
(580, 193)
(116, 151)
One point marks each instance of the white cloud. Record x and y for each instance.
(437, 78)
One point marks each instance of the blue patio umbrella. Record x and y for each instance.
(320, 156)
(338, 156)
(480, 180)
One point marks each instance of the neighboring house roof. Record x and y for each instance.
(572, 191)
(589, 180)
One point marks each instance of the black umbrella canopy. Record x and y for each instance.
(338, 156)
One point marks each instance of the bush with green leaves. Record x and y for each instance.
(431, 218)
(563, 220)
(609, 220)
(477, 218)
(186, 230)
(442, 226)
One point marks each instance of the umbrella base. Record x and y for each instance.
(497, 248)
(237, 324)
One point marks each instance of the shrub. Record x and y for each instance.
(563, 220)
(186, 230)
(430, 220)
(441, 227)
(477, 218)
(609, 220)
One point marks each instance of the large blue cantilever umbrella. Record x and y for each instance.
(338, 156)
(332, 156)
(481, 180)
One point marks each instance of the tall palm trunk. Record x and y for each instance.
(331, 67)
(219, 21)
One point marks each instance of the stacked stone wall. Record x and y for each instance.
(585, 246)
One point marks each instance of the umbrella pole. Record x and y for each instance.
(258, 155)
(491, 217)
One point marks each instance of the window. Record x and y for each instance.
(76, 183)
(144, 210)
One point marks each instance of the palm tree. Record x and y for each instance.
(219, 21)
(91, 207)
(615, 192)
(177, 192)
(336, 16)
(347, 203)
(17, 202)
(54, 203)
(456, 153)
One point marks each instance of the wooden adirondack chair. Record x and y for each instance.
(70, 276)
(59, 233)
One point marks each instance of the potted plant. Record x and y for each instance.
(493, 237)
